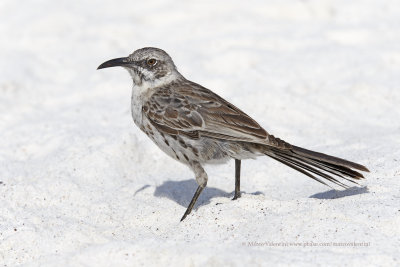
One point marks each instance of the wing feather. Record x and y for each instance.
(190, 109)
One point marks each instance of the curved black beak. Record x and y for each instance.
(114, 63)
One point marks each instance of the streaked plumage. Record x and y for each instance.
(196, 126)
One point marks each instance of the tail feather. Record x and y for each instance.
(298, 169)
(328, 159)
(337, 170)
(314, 164)
(309, 168)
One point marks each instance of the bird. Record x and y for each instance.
(195, 126)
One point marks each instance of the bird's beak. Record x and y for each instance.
(122, 61)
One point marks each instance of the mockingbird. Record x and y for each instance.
(195, 126)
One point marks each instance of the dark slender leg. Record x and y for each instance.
(237, 179)
(194, 199)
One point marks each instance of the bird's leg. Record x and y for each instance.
(237, 179)
(194, 199)
(201, 179)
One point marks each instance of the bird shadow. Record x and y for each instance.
(141, 189)
(182, 192)
(332, 194)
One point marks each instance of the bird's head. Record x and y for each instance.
(149, 65)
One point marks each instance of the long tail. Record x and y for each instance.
(317, 165)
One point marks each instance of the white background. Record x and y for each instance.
(82, 186)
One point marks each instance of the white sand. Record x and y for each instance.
(82, 186)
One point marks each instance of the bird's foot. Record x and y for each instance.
(237, 195)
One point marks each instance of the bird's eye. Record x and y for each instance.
(151, 62)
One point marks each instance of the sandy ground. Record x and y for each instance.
(82, 186)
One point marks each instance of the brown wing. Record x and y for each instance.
(192, 110)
